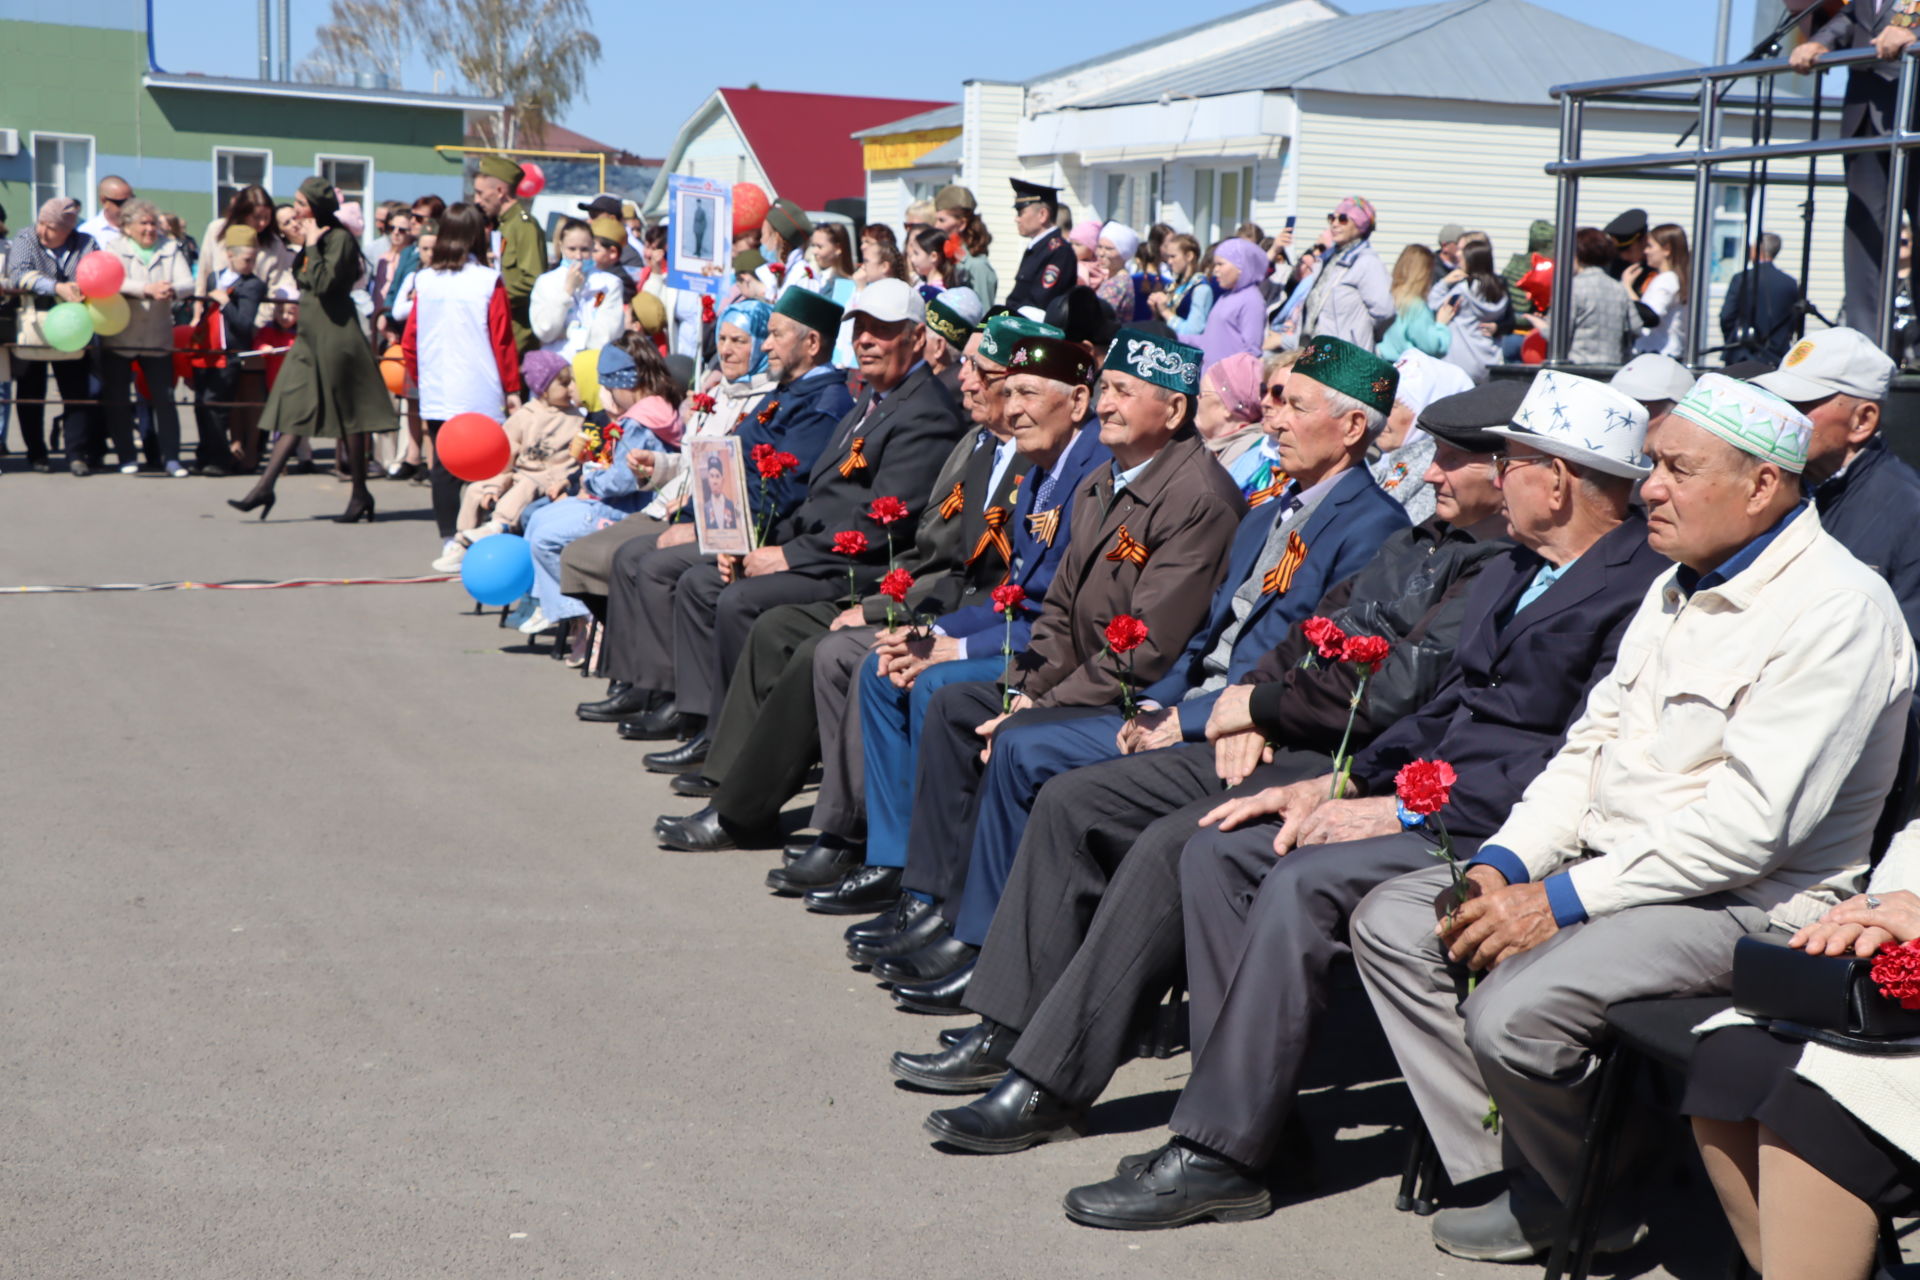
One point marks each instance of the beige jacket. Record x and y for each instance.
(539, 435)
(1745, 741)
(149, 331)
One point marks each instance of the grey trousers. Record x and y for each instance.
(586, 564)
(713, 620)
(640, 598)
(841, 806)
(1262, 936)
(1526, 1034)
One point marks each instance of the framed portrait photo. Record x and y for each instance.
(699, 233)
(718, 490)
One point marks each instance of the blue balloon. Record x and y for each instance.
(498, 570)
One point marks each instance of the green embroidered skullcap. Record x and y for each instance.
(502, 168)
(803, 306)
(1005, 331)
(1054, 358)
(955, 314)
(1158, 360)
(1350, 370)
(1751, 419)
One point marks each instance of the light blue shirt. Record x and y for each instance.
(1546, 577)
(1121, 479)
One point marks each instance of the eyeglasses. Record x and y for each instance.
(116, 203)
(1276, 392)
(1503, 462)
(1337, 217)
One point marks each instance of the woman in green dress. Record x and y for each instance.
(329, 385)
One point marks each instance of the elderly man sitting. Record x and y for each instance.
(1727, 774)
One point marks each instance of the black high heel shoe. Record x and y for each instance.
(361, 508)
(263, 501)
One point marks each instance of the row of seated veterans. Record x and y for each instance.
(1108, 736)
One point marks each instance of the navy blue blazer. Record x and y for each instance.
(1034, 561)
(1341, 535)
(1507, 698)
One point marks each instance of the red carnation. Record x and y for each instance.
(1896, 971)
(887, 510)
(1366, 651)
(1424, 786)
(778, 268)
(773, 463)
(1009, 598)
(1325, 635)
(1126, 633)
(702, 403)
(706, 308)
(896, 584)
(850, 542)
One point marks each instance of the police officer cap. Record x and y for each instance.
(1628, 227)
(1026, 193)
(1462, 419)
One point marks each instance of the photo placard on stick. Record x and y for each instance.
(699, 233)
(721, 514)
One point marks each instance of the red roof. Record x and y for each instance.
(802, 139)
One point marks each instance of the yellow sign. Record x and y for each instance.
(903, 150)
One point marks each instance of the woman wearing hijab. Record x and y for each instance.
(1238, 320)
(1228, 415)
(329, 385)
(742, 389)
(1402, 451)
(1350, 296)
(1117, 246)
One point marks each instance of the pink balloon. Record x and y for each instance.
(532, 183)
(100, 274)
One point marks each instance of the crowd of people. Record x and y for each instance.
(1154, 623)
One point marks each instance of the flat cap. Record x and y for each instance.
(1462, 419)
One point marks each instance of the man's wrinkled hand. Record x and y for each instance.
(1231, 712)
(1892, 42)
(762, 561)
(1338, 821)
(1149, 731)
(1237, 755)
(1494, 924)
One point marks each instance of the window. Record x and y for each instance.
(233, 170)
(63, 166)
(1203, 224)
(1119, 205)
(1222, 200)
(351, 176)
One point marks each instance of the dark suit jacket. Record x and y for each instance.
(1342, 535)
(1757, 317)
(1871, 88)
(1047, 270)
(942, 543)
(1504, 705)
(1183, 509)
(1872, 511)
(801, 416)
(904, 440)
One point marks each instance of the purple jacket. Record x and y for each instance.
(1238, 320)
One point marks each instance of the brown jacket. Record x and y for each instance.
(539, 435)
(1183, 509)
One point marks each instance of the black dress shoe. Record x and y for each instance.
(688, 755)
(1182, 1184)
(903, 912)
(930, 963)
(975, 1064)
(624, 700)
(951, 1036)
(865, 889)
(662, 723)
(1015, 1114)
(927, 927)
(697, 786)
(799, 845)
(822, 866)
(704, 832)
(943, 997)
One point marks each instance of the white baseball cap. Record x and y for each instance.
(1648, 377)
(1831, 362)
(890, 301)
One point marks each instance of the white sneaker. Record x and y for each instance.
(520, 610)
(130, 469)
(534, 625)
(177, 472)
(486, 530)
(450, 557)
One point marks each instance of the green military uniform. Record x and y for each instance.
(523, 252)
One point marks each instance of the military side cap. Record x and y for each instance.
(804, 306)
(240, 236)
(609, 228)
(1004, 333)
(790, 220)
(1350, 370)
(1026, 193)
(1750, 418)
(1463, 419)
(649, 312)
(748, 261)
(1155, 359)
(495, 166)
(1055, 358)
(953, 196)
(1628, 227)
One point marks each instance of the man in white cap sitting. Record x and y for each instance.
(1868, 498)
(1727, 774)
(1656, 381)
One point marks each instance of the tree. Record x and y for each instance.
(363, 35)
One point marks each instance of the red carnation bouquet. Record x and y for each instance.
(701, 402)
(1896, 971)
(1125, 634)
(771, 463)
(706, 308)
(1366, 653)
(1008, 599)
(852, 544)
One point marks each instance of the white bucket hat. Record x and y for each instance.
(1588, 423)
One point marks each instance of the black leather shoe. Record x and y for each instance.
(927, 927)
(662, 723)
(624, 700)
(901, 913)
(698, 786)
(930, 963)
(797, 846)
(688, 755)
(975, 1064)
(865, 889)
(704, 832)
(1015, 1114)
(951, 1036)
(942, 997)
(822, 866)
(1183, 1184)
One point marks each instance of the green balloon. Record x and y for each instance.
(68, 326)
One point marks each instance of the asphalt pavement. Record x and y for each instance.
(336, 946)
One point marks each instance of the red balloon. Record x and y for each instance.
(1534, 349)
(532, 182)
(750, 205)
(473, 446)
(100, 273)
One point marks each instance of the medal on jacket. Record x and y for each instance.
(1280, 577)
(772, 407)
(1394, 477)
(855, 460)
(954, 503)
(1126, 547)
(1274, 488)
(995, 537)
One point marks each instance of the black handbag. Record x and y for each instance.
(1831, 999)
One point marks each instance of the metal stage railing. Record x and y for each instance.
(1709, 151)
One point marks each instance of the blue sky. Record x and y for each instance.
(661, 59)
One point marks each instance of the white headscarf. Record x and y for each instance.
(1122, 237)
